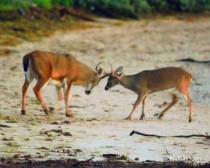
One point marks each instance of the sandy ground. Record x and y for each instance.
(98, 126)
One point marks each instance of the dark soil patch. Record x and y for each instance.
(106, 164)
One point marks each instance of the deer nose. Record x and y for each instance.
(87, 92)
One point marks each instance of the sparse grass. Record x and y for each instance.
(10, 150)
(9, 119)
(14, 32)
(12, 144)
(33, 123)
(26, 139)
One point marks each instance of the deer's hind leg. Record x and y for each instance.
(183, 88)
(29, 76)
(190, 105)
(175, 99)
(24, 92)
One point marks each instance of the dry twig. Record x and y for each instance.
(81, 162)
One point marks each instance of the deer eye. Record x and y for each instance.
(112, 82)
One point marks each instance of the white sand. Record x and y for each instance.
(97, 126)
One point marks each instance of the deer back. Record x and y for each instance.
(59, 66)
(162, 79)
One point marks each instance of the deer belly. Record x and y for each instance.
(58, 83)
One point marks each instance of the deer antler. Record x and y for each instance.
(107, 74)
(98, 66)
(112, 71)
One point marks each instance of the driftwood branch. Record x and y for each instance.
(81, 162)
(175, 136)
(4, 126)
(192, 60)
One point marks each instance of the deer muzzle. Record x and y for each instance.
(87, 92)
(106, 88)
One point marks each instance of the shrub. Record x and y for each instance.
(120, 9)
(116, 8)
(158, 5)
(187, 5)
(200, 5)
(43, 3)
(62, 2)
(110, 8)
(13, 4)
(207, 5)
(141, 6)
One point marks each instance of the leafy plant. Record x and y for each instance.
(43, 3)
(13, 4)
(62, 2)
(115, 8)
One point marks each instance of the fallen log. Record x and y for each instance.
(174, 136)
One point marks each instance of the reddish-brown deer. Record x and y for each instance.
(61, 70)
(150, 81)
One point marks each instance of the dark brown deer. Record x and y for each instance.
(150, 81)
(61, 70)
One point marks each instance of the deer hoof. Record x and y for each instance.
(160, 117)
(69, 114)
(128, 118)
(23, 112)
(46, 112)
(52, 109)
(142, 117)
(190, 120)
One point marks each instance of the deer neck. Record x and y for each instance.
(84, 75)
(127, 82)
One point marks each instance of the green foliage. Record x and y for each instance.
(158, 5)
(207, 6)
(13, 4)
(119, 9)
(115, 8)
(17, 4)
(43, 3)
(62, 2)
(141, 6)
(202, 5)
(187, 5)
(134, 8)
(111, 8)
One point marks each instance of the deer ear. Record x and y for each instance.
(118, 70)
(119, 76)
(99, 71)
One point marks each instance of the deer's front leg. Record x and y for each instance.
(60, 97)
(143, 105)
(138, 101)
(67, 93)
(37, 92)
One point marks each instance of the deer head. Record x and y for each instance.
(96, 79)
(114, 77)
